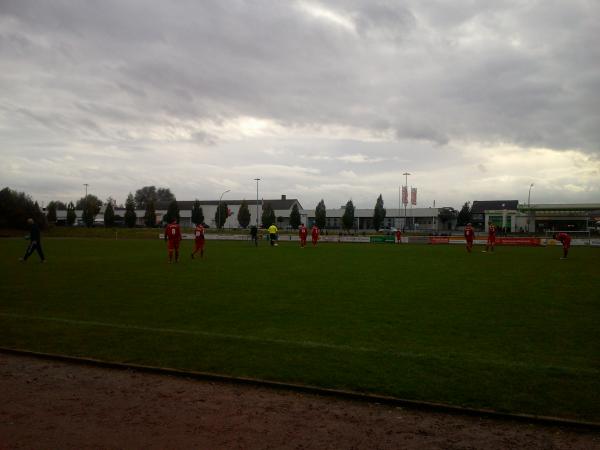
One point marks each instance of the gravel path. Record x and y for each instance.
(47, 404)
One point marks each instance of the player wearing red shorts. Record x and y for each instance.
(566, 243)
(469, 236)
(315, 235)
(302, 232)
(491, 240)
(173, 238)
(198, 240)
(398, 236)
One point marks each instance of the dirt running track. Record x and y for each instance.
(46, 404)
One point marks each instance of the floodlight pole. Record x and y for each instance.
(219, 209)
(406, 174)
(257, 180)
(86, 186)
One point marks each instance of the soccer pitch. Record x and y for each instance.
(517, 330)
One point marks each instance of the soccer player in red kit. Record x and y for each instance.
(398, 236)
(302, 232)
(491, 240)
(566, 242)
(173, 238)
(469, 236)
(198, 240)
(315, 235)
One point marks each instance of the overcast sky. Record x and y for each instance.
(333, 100)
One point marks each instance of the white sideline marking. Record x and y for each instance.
(309, 344)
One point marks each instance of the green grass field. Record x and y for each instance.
(515, 331)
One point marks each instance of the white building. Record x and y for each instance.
(417, 219)
(282, 208)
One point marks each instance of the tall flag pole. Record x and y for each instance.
(405, 195)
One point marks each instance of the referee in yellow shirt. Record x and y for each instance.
(273, 234)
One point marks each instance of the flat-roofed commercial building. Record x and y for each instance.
(416, 219)
(548, 217)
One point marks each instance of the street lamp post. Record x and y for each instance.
(219, 209)
(406, 174)
(257, 180)
(529, 195)
(529, 206)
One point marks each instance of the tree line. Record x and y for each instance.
(16, 207)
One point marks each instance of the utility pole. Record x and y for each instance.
(406, 174)
(257, 180)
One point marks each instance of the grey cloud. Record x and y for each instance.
(98, 75)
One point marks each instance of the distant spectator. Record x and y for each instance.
(254, 234)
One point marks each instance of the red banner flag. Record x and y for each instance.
(404, 195)
(413, 196)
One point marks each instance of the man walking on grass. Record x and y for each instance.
(314, 232)
(198, 241)
(173, 238)
(35, 243)
(273, 235)
(302, 233)
(469, 236)
(491, 240)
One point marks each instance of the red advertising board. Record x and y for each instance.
(439, 240)
(518, 241)
(482, 241)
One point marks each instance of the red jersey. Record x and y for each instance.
(315, 232)
(303, 232)
(564, 238)
(469, 233)
(492, 231)
(199, 233)
(398, 234)
(173, 233)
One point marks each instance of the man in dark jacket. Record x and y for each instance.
(35, 242)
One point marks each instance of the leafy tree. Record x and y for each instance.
(130, 215)
(221, 214)
(16, 208)
(145, 195)
(197, 213)
(164, 195)
(348, 217)
(109, 216)
(51, 212)
(295, 219)
(39, 216)
(378, 213)
(51, 209)
(71, 215)
(149, 193)
(150, 214)
(92, 202)
(60, 206)
(243, 216)
(464, 216)
(321, 215)
(268, 215)
(172, 212)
